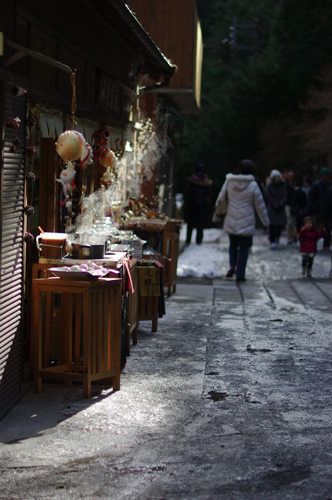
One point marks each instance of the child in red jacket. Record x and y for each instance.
(309, 236)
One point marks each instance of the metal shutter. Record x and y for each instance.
(11, 253)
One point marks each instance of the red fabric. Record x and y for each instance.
(309, 240)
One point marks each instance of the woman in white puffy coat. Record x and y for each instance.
(243, 198)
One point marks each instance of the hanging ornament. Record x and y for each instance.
(82, 198)
(101, 141)
(69, 205)
(101, 138)
(108, 176)
(28, 237)
(30, 151)
(14, 123)
(108, 159)
(67, 177)
(30, 177)
(71, 146)
(31, 121)
(119, 147)
(19, 91)
(15, 144)
(28, 210)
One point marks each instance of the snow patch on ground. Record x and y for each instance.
(202, 261)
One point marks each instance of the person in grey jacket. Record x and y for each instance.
(276, 199)
(244, 197)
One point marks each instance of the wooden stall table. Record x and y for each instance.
(171, 254)
(171, 245)
(149, 278)
(90, 336)
(132, 324)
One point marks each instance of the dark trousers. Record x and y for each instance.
(307, 261)
(196, 219)
(274, 233)
(238, 252)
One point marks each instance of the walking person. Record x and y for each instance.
(299, 202)
(326, 215)
(197, 196)
(309, 236)
(276, 196)
(291, 232)
(243, 197)
(316, 197)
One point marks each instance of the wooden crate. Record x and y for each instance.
(90, 336)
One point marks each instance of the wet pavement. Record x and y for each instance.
(230, 398)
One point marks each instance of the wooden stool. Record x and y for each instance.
(90, 331)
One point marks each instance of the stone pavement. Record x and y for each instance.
(230, 399)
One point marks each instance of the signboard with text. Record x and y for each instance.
(149, 281)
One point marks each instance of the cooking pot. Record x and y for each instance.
(81, 251)
(97, 251)
(85, 251)
(51, 244)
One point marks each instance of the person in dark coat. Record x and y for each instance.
(276, 198)
(315, 202)
(299, 202)
(291, 232)
(197, 196)
(326, 214)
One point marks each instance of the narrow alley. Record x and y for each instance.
(230, 398)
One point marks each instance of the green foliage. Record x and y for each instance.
(246, 92)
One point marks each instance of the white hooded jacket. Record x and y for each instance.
(244, 196)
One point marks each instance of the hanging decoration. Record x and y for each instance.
(28, 237)
(16, 142)
(30, 176)
(28, 210)
(108, 160)
(105, 155)
(30, 151)
(31, 121)
(18, 91)
(14, 123)
(119, 148)
(100, 142)
(72, 147)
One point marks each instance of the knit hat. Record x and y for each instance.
(275, 173)
(325, 171)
